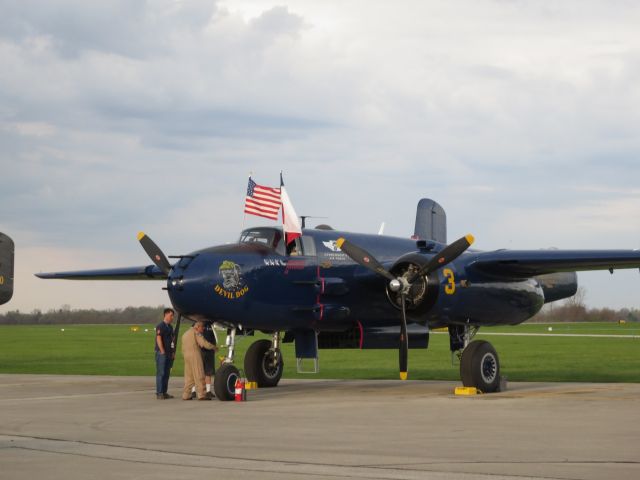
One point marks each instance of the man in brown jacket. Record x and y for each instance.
(192, 341)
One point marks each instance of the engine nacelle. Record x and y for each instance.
(557, 286)
(424, 291)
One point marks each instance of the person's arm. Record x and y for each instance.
(159, 343)
(203, 343)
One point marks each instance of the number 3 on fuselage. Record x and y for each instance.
(450, 287)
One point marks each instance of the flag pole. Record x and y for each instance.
(284, 233)
(244, 214)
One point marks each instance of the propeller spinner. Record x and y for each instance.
(402, 284)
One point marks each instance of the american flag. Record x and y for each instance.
(262, 201)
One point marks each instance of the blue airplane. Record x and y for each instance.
(335, 289)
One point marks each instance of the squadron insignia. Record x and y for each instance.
(233, 285)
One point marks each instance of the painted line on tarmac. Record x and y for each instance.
(73, 395)
(155, 457)
(589, 335)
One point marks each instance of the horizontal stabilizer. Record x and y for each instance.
(529, 263)
(148, 272)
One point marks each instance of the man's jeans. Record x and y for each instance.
(163, 367)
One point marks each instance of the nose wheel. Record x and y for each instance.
(224, 382)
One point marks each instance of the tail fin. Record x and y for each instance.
(431, 221)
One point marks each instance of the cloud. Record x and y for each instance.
(518, 117)
(133, 28)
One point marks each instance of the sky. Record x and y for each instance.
(522, 119)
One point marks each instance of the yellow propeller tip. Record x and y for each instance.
(140, 235)
(470, 239)
(339, 242)
(403, 375)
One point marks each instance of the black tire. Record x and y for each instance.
(259, 365)
(480, 367)
(224, 383)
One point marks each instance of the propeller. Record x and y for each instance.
(402, 284)
(154, 253)
(446, 255)
(161, 261)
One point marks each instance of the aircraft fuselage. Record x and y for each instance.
(257, 284)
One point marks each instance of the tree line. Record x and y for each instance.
(579, 313)
(572, 310)
(67, 316)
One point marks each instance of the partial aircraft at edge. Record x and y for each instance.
(336, 289)
(6, 268)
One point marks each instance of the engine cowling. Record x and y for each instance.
(557, 286)
(423, 294)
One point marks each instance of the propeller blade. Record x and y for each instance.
(362, 257)
(404, 342)
(446, 255)
(154, 253)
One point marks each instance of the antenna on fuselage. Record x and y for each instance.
(303, 219)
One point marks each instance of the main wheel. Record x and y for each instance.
(480, 367)
(224, 382)
(262, 364)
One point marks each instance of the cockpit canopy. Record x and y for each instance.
(273, 238)
(268, 236)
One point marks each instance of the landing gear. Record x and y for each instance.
(263, 362)
(479, 363)
(480, 367)
(224, 382)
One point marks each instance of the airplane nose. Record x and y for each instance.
(207, 283)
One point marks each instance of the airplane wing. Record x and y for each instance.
(530, 263)
(149, 272)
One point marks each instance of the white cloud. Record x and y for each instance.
(518, 117)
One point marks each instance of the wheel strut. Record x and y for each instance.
(230, 342)
(460, 336)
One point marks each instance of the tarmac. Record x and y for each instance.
(86, 427)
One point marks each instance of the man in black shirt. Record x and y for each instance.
(164, 354)
(209, 358)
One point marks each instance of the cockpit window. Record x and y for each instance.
(269, 237)
(273, 238)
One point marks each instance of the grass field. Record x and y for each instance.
(116, 350)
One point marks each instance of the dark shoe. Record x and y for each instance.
(166, 395)
(204, 398)
(210, 395)
(160, 396)
(193, 395)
